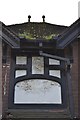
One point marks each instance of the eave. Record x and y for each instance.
(37, 44)
(69, 35)
(9, 37)
(60, 42)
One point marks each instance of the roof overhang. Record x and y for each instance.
(9, 37)
(62, 41)
(37, 44)
(69, 35)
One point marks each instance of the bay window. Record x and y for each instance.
(37, 81)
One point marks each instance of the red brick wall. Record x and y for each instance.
(74, 75)
(79, 79)
(5, 80)
(0, 77)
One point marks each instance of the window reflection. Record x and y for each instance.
(19, 73)
(37, 91)
(55, 73)
(21, 60)
(37, 65)
(54, 62)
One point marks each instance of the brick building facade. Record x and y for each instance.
(59, 41)
(0, 74)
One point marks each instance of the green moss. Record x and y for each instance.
(27, 36)
(33, 37)
(49, 36)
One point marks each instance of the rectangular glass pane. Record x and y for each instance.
(55, 73)
(21, 60)
(37, 65)
(54, 62)
(19, 73)
(38, 91)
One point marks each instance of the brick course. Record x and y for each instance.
(74, 75)
(74, 72)
(0, 77)
(5, 80)
(79, 80)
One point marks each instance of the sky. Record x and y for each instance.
(61, 12)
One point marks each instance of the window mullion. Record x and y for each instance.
(29, 66)
(46, 66)
(22, 67)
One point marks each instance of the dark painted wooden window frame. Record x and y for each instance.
(47, 67)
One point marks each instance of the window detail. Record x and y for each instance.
(37, 91)
(41, 85)
(19, 73)
(21, 60)
(37, 65)
(55, 73)
(54, 62)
